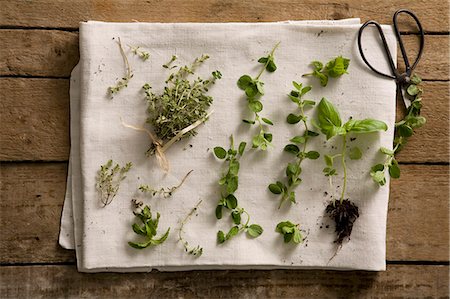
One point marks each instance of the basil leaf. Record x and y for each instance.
(367, 125)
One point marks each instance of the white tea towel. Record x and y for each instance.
(101, 234)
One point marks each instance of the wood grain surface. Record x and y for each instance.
(39, 49)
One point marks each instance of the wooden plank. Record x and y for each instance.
(35, 122)
(24, 54)
(60, 13)
(399, 281)
(35, 119)
(30, 190)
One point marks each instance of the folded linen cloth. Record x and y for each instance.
(100, 235)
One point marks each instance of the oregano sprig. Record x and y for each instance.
(197, 250)
(334, 69)
(298, 147)
(291, 232)
(254, 90)
(228, 201)
(109, 178)
(403, 130)
(343, 211)
(148, 228)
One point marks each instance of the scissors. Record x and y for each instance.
(401, 79)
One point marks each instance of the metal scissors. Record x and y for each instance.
(401, 79)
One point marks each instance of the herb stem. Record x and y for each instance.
(247, 222)
(267, 62)
(344, 166)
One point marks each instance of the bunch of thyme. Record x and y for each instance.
(403, 130)
(180, 108)
(254, 90)
(230, 183)
(293, 169)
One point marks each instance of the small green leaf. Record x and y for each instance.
(412, 90)
(236, 216)
(312, 155)
(405, 131)
(263, 60)
(328, 160)
(220, 152)
(312, 133)
(233, 167)
(292, 197)
(242, 148)
(232, 184)
(233, 232)
(318, 66)
(219, 212)
(251, 122)
(231, 201)
(268, 137)
(275, 189)
(292, 169)
(254, 230)
(267, 121)
(297, 238)
(297, 86)
(220, 237)
(293, 119)
(387, 151)
(292, 148)
(271, 66)
(244, 82)
(355, 153)
(255, 106)
(298, 140)
(251, 91)
(394, 170)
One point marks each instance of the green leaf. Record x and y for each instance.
(138, 230)
(355, 153)
(255, 106)
(394, 170)
(297, 86)
(416, 79)
(271, 66)
(251, 91)
(219, 212)
(160, 240)
(254, 230)
(263, 60)
(220, 152)
(305, 90)
(329, 119)
(328, 160)
(220, 237)
(312, 155)
(236, 216)
(267, 121)
(312, 133)
(292, 148)
(292, 169)
(251, 122)
(308, 103)
(337, 67)
(232, 184)
(378, 177)
(293, 119)
(268, 137)
(405, 131)
(275, 189)
(387, 151)
(242, 147)
(260, 87)
(318, 66)
(233, 232)
(292, 197)
(244, 82)
(233, 168)
(412, 90)
(258, 140)
(297, 238)
(367, 125)
(281, 225)
(231, 201)
(298, 140)
(139, 245)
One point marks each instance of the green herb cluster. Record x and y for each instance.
(298, 147)
(147, 229)
(334, 69)
(290, 231)
(403, 130)
(197, 250)
(144, 55)
(181, 104)
(122, 83)
(254, 90)
(165, 192)
(109, 178)
(230, 183)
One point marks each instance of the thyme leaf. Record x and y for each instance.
(109, 178)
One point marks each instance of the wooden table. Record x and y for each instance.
(39, 47)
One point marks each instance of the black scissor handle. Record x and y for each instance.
(409, 68)
(386, 48)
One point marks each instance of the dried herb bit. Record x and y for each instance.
(181, 107)
(298, 147)
(144, 55)
(331, 125)
(403, 130)
(109, 178)
(254, 90)
(228, 201)
(148, 228)
(197, 250)
(290, 231)
(128, 73)
(164, 192)
(334, 69)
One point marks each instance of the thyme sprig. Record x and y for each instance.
(197, 250)
(230, 183)
(144, 55)
(109, 178)
(293, 169)
(122, 83)
(148, 228)
(181, 107)
(404, 129)
(254, 90)
(165, 192)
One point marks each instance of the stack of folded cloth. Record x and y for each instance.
(100, 235)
